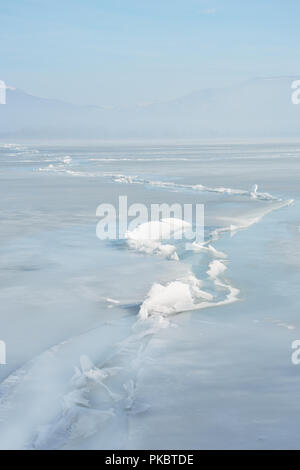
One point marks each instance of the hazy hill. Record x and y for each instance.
(257, 108)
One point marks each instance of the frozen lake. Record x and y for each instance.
(113, 346)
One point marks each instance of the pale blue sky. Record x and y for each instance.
(129, 51)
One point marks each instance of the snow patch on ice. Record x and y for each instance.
(146, 238)
(177, 296)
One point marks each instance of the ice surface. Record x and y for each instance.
(145, 344)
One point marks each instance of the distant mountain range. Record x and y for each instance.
(260, 108)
